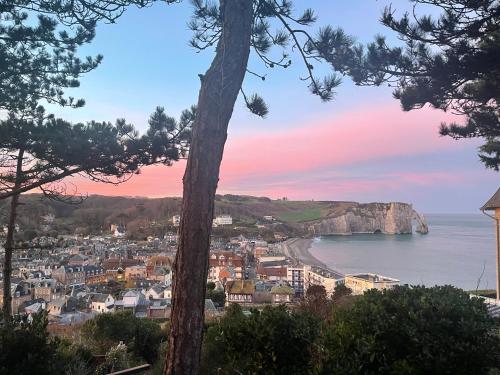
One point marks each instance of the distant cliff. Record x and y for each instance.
(153, 216)
(388, 218)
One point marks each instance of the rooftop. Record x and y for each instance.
(493, 202)
(373, 277)
(240, 287)
(327, 273)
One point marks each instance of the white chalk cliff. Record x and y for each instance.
(388, 218)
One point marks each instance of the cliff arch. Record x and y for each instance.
(422, 226)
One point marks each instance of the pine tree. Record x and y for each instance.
(268, 28)
(39, 152)
(38, 47)
(450, 63)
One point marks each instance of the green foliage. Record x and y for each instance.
(341, 294)
(449, 62)
(406, 330)
(117, 358)
(74, 359)
(278, 32)
(414, 330)
(25, 348)
(38, 44)
(53, 149)
(218, 297)
(142, 336)
(316, 303)
(29, 234)
(272, 341)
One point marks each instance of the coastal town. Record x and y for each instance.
(73, 277)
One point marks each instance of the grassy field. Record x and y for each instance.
(299, 212)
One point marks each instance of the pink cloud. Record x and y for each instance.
(349, 138)
(262, 162)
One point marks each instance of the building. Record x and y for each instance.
(78, 260)
(260, 251)
(282, 293)
(314, 275)
(69, 275)
(225, 266)
(361, 282)
(133, 301)
(176, 220)
(156, 292)
(223, 220)
(159, 309)
(94, 274)
(102, 302)
(493, 206)
(295, 278)
(240, 291)
(135, 273)
(62, 305)
(271, 273)
(159, 268)
(118, 230)
(20, 292)
(45, 288)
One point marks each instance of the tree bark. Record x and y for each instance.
(219, 90)
(9, 243)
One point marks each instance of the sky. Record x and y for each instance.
(360, 146)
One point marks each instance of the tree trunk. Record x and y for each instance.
(219, 90)
(9, 243)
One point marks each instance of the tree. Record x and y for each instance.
(142, 336)
(411, 330)
(39, 152)
(234, 27)
(218, 297)
(450, 63)
(340, 294)
(25, 348)
(316, 302)
(38, 44)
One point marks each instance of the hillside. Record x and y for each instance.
(97, 213)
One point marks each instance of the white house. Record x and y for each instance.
(223, 220)
(155, 292)
(176, 220)
(102, 303)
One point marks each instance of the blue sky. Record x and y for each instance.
(147, 62)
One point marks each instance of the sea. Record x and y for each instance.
(458, 250)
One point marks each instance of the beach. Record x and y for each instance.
(298, 249)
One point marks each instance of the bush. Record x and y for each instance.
(25, 348)
(142, 336)
(273, 341)
(415, 330)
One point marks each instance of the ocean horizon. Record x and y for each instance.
(458, 250)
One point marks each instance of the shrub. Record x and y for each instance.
(142, 336)
(271, 341)
(411, 330)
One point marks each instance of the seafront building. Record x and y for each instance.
(295, 277)
(314, 275)
(361, 282)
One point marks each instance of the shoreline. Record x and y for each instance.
(298, 250)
